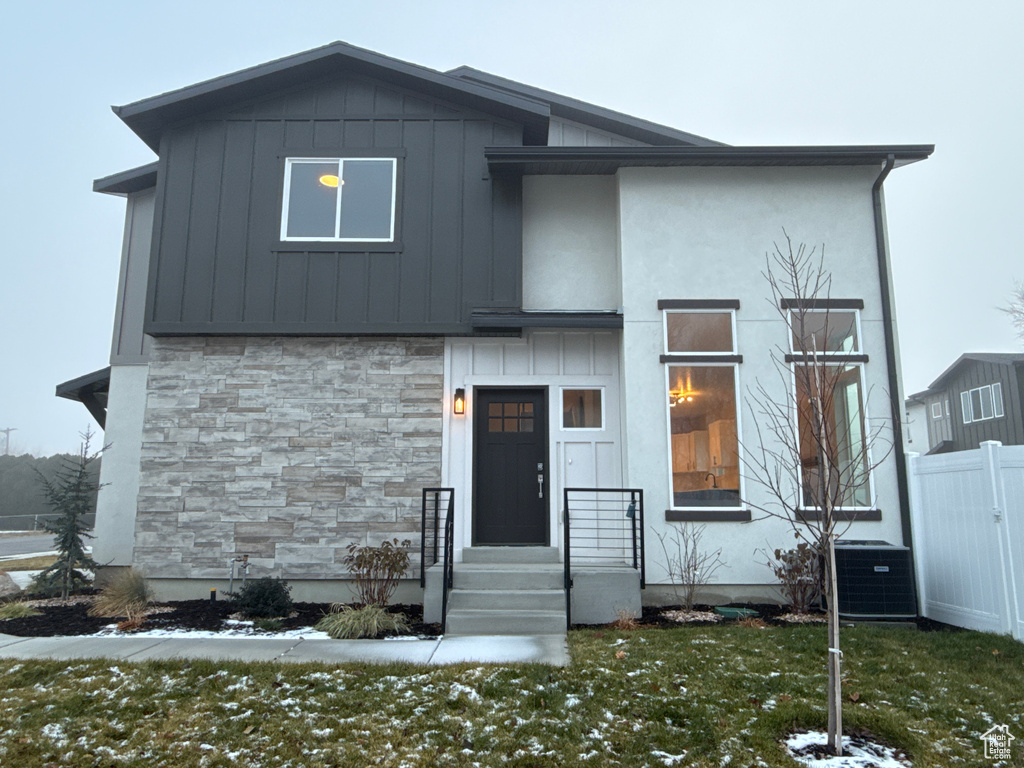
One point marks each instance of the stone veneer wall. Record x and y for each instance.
(285, 449)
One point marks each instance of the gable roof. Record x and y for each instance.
(148, 117)
(589, 114)
(996, 358)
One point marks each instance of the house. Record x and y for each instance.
(348, 279)
(979, 397)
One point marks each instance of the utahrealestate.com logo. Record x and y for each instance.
(997, 741)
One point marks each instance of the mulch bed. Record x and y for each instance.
(653, 618)
(62, 620)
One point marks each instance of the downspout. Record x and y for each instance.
(890, 355)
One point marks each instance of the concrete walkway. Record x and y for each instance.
(488, 649)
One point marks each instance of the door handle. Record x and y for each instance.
(540, 485)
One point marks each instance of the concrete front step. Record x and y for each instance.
(471, 621)
(504, 577)
(514, 555)
(519, 599)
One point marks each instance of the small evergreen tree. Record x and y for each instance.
(70, 494)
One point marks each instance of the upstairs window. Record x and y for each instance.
(339, 199)
(825, 330)
(982, 403)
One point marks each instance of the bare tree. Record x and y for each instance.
(690, 567)
(815, 449)
(1015, 309)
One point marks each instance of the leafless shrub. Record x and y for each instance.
(689, 566)
(799, 573)
(377, 570)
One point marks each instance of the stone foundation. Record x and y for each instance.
(284, 449)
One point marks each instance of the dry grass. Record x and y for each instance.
(625, 621)
(17, 611)
(347, 623)
(28, 563)
(127, 595)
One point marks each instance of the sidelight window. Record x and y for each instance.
(340, 199)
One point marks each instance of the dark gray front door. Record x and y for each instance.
(510, 467)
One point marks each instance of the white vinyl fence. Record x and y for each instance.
(967, 513)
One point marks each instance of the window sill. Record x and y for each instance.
(707, 515)
(842, 515)
(336, 246)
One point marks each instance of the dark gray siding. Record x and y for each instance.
(129, 345)
(1009, 429)
(218, 265)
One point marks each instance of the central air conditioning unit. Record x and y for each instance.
(875, 581)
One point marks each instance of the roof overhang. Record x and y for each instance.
(126, 182)
(608, 160)
(149, 117)
(517, 319)
(91, 390)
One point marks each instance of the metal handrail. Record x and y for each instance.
(429, 544)
(448, 567)
(595, 529)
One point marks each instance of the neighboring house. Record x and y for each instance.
(348, 278)
(979, 397)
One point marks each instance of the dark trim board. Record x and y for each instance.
(481, 318)
(825, 358)
(698, 304)
(708, 516)
(701, 358)
(842, 515)
(821, 303)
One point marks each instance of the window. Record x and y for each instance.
(937, 410)
(702, 409)
(342, 199)
(825, 330)
(836, 451)
(510, 417)
(828, 372)
(582, 409)
(982, 403)
(703, 332)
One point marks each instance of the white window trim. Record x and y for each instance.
(822, 353)
(967, 407)
(290, 161)
(937, 405)
(867, 441)
(739, 431)
(561, 414)
(664, 330)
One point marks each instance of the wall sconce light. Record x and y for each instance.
(459, 406)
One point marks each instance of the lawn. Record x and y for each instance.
(707, 696)
(28, 563)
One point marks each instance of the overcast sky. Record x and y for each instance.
(741, 73)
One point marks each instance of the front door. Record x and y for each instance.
(510, 467)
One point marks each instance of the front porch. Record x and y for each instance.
(594, 577)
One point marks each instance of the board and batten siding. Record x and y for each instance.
(568, 133)
(129, 346)
(551, 360)
(219, 266)
(1007, 429)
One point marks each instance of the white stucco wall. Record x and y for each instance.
(702, 233)
(570, 243)
(119, 473)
